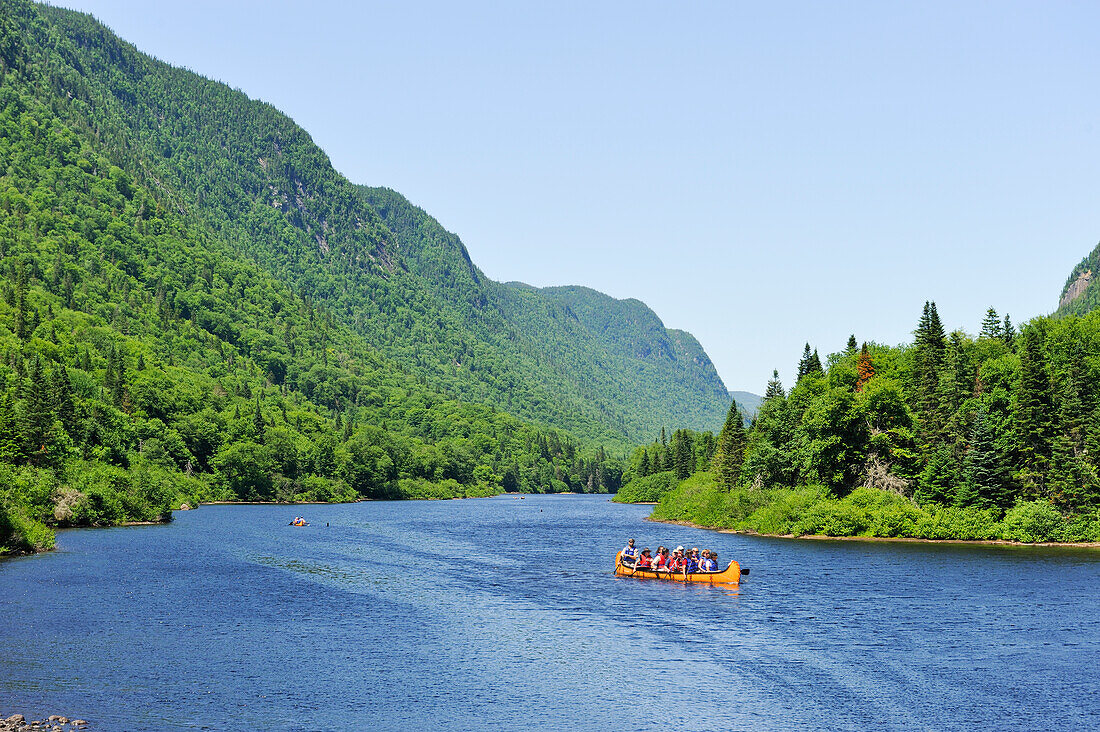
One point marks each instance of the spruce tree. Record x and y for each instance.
(729, 454)
(852, 345)
(928, 354)
(37, 414)
(991, 325)
(644, 469)
(815, 364)
(61, 393)
(681, 454)
(1033, 411)
(775, 388)
(10, 432)
(804, 362)
(1008, 334)
(985, 476)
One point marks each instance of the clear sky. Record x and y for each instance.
(760, 174)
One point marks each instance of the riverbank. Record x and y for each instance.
(867, 514)
(885, 539)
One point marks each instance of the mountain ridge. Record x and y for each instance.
(1081, 293)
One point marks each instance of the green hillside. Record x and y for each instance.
(1081, 293)
(611, 359)
(196, 306)
(256, 181)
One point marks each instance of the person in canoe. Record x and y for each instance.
(676, 560)
(709, 563)
(691, 564)
(645, 560)
(629, 554)
(660, 562)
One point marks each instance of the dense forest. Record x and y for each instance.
(245, 174)
(196, 307)
(952, 436)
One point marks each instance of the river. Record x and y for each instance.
(503, 613)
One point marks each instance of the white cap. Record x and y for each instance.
(679, 548)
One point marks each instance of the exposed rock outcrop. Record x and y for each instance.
(1076, 288)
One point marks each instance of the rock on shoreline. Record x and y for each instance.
(53, 723)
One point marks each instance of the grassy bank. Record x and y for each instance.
(864, 512)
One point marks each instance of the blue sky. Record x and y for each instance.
(760, 174)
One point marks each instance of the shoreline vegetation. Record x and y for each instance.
(864, 514)
(28, 536)
(885, 539)
(954, 437)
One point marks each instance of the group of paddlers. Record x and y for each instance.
(669, 560)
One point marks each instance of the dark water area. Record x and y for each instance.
(504, 614)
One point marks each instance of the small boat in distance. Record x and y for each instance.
(731, 575)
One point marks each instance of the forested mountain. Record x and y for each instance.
(195, 305)
(748, 402)
(613, 357)
(407, 287)
(1082, 291)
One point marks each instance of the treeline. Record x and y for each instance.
(145, 363)
(992, 428)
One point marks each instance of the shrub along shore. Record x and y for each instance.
(22, 532)
(866, 513)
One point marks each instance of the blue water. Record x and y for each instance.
(503, 614)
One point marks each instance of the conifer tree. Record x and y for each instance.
(815, 364)
(61, 393)
(852, 345)
(729, 453)
(774, 389)
(991, 325)
(10, 432)
(810, 363)
(37, 415)
(804, 362)
(258, 425)
(1008, 334)
(644, 469)
(985, 477)
(1033, 409)
(928, 352)
(681, 454)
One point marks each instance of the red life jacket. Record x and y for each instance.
(644, 561)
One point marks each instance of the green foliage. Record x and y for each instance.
(864, 512)
(648, 489)
(957, 429)
(1031, 521)
(729, 453)
(191, 311)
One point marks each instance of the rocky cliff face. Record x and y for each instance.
(1076, 288)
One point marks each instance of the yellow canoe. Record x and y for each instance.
(731, 575)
